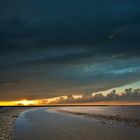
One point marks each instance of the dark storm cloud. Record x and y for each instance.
(56, 48)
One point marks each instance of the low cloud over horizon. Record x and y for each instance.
(54, 48)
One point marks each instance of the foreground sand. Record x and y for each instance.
(8, 116)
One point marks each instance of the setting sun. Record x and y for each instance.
(26, 102)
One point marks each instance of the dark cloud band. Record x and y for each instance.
(51, 48)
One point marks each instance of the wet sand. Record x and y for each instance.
(8, 116)
(45, 124)
(119, 115)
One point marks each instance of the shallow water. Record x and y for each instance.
(40, 124)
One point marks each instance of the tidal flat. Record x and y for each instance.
(55, 123)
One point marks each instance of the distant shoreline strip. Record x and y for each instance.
(116, 119)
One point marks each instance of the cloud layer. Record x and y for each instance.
(51, 48)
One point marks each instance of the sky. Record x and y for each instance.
(51, 48)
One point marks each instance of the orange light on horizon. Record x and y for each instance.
(20, 103)
(27, 102)
(39, 103)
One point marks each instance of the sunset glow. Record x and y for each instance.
(25, 102)
(19, 103)
(40, 102)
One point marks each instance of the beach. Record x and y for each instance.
(53, 123)
(71, 123)
(8, 116)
